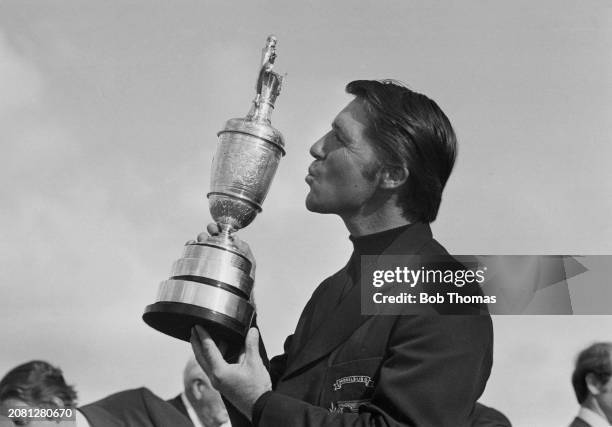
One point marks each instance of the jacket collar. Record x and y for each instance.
(346, 318)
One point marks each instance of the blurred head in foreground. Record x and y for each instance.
(203, 397)
(35, 384)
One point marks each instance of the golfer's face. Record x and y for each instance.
(341, 178)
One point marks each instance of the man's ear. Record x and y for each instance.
(593, 384)
(393, 176)
(196, 389)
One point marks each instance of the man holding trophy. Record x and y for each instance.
(382, 168)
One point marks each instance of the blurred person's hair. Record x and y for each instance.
(37, 383)
(595, 360)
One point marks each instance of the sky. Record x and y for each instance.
(108, 118)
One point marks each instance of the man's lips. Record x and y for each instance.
(311, 174)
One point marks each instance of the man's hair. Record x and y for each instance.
(592, 360)
(409, 130)
(37, 383)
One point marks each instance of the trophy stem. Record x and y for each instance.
(225, 231)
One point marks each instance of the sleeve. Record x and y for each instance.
(276, 367)
(434, 370)
(278, 364)
(262, 346)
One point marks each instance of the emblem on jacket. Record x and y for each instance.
(365, 379)
(347, 406)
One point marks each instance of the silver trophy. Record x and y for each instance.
(211, 285)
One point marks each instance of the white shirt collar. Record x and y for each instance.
(592, 418)
(80, 420)
(193, 416)
(191, 412)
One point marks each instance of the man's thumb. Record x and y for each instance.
(252, 344)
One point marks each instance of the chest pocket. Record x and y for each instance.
(350, 384)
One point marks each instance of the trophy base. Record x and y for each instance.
(176, 319)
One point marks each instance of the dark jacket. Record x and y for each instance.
(579, 422)
(141, 408)
(485, 416)
(134, 408)
(178, 404)
(341, 368)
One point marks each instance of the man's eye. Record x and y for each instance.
(338, 138)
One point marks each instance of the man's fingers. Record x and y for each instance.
(213, 229)
(196, 345)
(206, 352)
(252, 344)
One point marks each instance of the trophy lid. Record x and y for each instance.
(268, 86)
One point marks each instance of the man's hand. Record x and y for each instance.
(241, 383)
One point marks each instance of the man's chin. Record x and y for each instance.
(312, 205)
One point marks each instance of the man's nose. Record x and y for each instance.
(316, 150)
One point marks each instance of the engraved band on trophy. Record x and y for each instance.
(211, 284)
